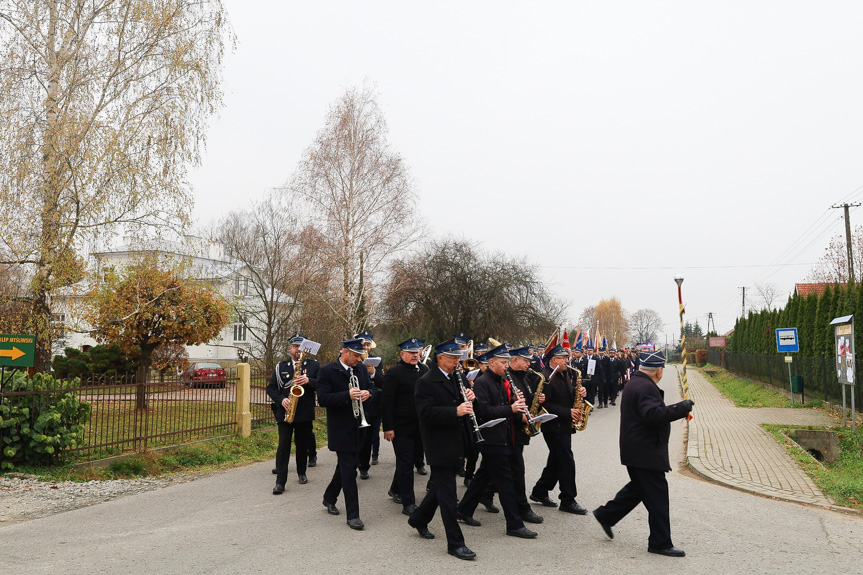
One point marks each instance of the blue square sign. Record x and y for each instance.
(786, 340)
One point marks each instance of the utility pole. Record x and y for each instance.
(848, 240)
(743, 305)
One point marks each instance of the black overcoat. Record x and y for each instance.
(442, 430)
(398, 407)
(280, 381)
(645, 424)
(343, 432)
(492, 403)
(558, 400)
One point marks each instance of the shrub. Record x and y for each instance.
(700, 357)
(35, 428)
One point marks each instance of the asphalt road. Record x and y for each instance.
(230, 523)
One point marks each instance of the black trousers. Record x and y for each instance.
(495, 468)
(603, 393)
(300, 431)
(312, 442)
(419, 453)
(516, 464)
(345, 480)
(371, 443)
(651, 488)
(590, 386)
(405, 447)
(442, 494)
(613, 389)
(559, 467)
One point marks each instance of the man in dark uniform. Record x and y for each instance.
(645, 426)
(400, 420)
(526, 383)
(612, 376)
(441, 408)
(495, 398)
(557, 433)
(279, 390)
(371, 447)
(603, 365)
(344, 434)
(591, 382)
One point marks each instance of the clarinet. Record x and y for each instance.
(460, 380)
(531, 428)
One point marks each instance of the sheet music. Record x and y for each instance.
(492, 423)
(372, 361)
(309, 346)
(471, 375)
(591, 366)
(543, 417)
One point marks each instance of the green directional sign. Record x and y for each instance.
(17, 350)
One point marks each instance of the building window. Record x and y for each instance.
(240, 332)
(59, 321)
(241, 286)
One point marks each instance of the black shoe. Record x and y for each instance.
(669, 552)
(599, 406)
(364, 474)
(396, 497)
(462, 553)
(573, 508)
(467, 481)
(303, 479)
(425, 533)
(313, 460)
(461, 473)
(275, 471)
(531, 517)
(467, 519)
(489, 505)
(605, 526)
(522, 532)
(422, 470)
(612, 403)
(374, 459)
(331, 508)
(546, 502)
(356, 524)
(278, 489)
(409, 509)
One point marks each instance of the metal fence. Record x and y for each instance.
(134, 413)
(819, 377)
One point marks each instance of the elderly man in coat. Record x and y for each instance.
(645, 426)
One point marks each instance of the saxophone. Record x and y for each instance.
(295, 392)
(532, 429)
(581, 404)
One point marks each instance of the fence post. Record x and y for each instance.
(243, 416)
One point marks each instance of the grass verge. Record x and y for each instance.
(841, 480)
(746, 393)
(206, 456)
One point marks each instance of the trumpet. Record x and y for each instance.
(357, 404)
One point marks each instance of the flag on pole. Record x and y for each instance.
(565, 343)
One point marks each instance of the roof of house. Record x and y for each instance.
(806, 289)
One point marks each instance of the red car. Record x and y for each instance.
(204, 374)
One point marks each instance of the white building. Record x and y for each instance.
(205, 260)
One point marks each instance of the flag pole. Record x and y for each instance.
(679, 281)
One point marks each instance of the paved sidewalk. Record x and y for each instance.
(728, 445)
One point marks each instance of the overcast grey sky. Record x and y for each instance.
(602, 139)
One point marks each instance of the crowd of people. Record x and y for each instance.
(469, 412)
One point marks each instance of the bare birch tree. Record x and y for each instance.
(767, 295)
(359, 192)
(268, 240)
(103, 106)
(644, 325)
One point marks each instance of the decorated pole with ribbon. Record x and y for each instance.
(679, 281)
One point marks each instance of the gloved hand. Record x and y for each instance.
(688, 403)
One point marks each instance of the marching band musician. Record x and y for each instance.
(400, 420)
(519, 361)
(441, 409)
(286, 374)
(344, 435)
(495, 398)
(557, 433)
(371, 447)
